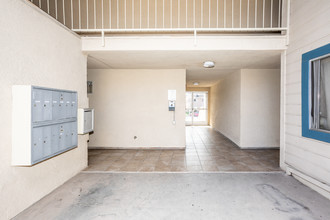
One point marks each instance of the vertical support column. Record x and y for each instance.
(217, 13)
(71, 15)
(248, 14)
(87, 19)
(283, 110)
(224, 13)
(288, 22)
(263, 13)
(148, 19)
(194, 13)
(133, 15)
(279, 13)
(232, 13)
(156, 13)
(79, 12)
(126, 15)
(110, 14)
(171, 14)
(163, 14)
(209, 13)
(94, 14)
(240, 13)
(179, 14)
(202, 13)
(140, 14)
(56, 9)
(102, 14)
(63, 12)
(118, 13)
(255, 12)
(186, 13)
(48, 6)
(271, 13)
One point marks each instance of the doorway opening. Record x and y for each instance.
(196, 108)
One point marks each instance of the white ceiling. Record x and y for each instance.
(225, 62)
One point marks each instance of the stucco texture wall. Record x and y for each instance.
(260, 108)
(134, 102)
(226, 105)
(36, 50)
(245, 107)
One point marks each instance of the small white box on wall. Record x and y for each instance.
(85, 120)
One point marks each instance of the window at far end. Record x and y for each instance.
(320, 93)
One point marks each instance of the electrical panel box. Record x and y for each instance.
(44, 123)
(85, 120)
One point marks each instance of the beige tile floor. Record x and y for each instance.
(206, 151)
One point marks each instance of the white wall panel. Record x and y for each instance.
(309, 29)
(36, 50)
(226, 105)
(134, 102)
(245, 107)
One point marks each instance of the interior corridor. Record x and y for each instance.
(206, 151)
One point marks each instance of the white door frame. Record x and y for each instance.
(202, 123)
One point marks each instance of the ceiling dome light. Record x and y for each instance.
(208, 64)
(196, 83)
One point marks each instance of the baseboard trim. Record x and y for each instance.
(260, 148)
(222, 134)
(137, 148)
(246, 148)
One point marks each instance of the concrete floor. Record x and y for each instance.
(206, 151)
(198, 189)
(255, 196)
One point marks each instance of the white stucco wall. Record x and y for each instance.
(134, 102)
(35, 50)
(260, 108)
(310, 157)
(226, 105)
(245, 107)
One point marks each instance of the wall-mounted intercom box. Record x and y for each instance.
(171, 105)
(171, 99)
(44, 123)
(85, 120)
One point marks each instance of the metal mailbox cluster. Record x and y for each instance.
(54, 122)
